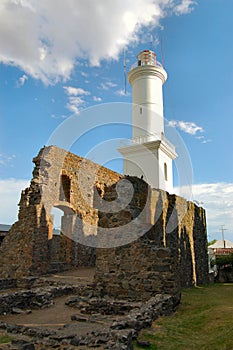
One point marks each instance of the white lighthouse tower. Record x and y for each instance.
(148, 154)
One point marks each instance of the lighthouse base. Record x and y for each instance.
(151, 161)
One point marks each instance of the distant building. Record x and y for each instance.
(222, 244)
(4, 229)
(221, 247)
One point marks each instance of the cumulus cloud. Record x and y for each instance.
(10, 190)
(70, 90)
(217, 199)
(187, 127)
(47, 38)
(75, 98)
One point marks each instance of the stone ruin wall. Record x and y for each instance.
(170, 254)
(30, 247)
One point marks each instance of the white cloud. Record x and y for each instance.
(20, 82)
(107, 85)
(75, 98)
(74, 104)
(187, 127)
(184, 7)
(84, 74)
(206, 141)
(217, 199)
(97, 99)
(10, 190)
(122, 92)
(6, 159)
(47, 38)
(70, 90)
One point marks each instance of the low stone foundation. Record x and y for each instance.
(117, 334)
(33, 299)
(7, 283)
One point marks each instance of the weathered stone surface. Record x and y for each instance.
(166, 247)
(118, 334)
(225, 275)
(171, 255)
(21, 301)
(67, 182)
(79, 318)
(23, 345)
(7, 283)
(100, 305)
(146, 274)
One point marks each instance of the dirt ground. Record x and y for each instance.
(81, 275)
(58, 316)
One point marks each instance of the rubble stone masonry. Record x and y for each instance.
(155, 243)
(30, 247)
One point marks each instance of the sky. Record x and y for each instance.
(59, 58)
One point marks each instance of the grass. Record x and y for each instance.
(204, 321)
(4, 338)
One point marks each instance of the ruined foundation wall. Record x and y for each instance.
(155, 243)
(137, 271)
(170, 254)
(56, 182)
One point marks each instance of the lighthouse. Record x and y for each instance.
(148, 154)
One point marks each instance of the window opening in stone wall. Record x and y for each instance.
(55, 241)
(165, 171)
(140, 110)
(65, 188)
(56, 214)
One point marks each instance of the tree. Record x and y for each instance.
(212, 242)
(224, 260)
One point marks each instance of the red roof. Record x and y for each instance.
(223, 251)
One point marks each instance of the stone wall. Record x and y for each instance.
(225, 275)
(172, 252)
(154, 242)
(137, 271)
(27, 249)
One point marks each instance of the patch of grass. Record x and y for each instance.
(204, 321)
(4, 338)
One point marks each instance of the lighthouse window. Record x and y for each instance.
(165, 171)
(140, 110)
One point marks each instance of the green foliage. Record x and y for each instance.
(212, 262)
(212, 242)
(4, 338)
(222, 260)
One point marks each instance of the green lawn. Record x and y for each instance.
(204, 321)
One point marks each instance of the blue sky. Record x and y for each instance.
(53, 65)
